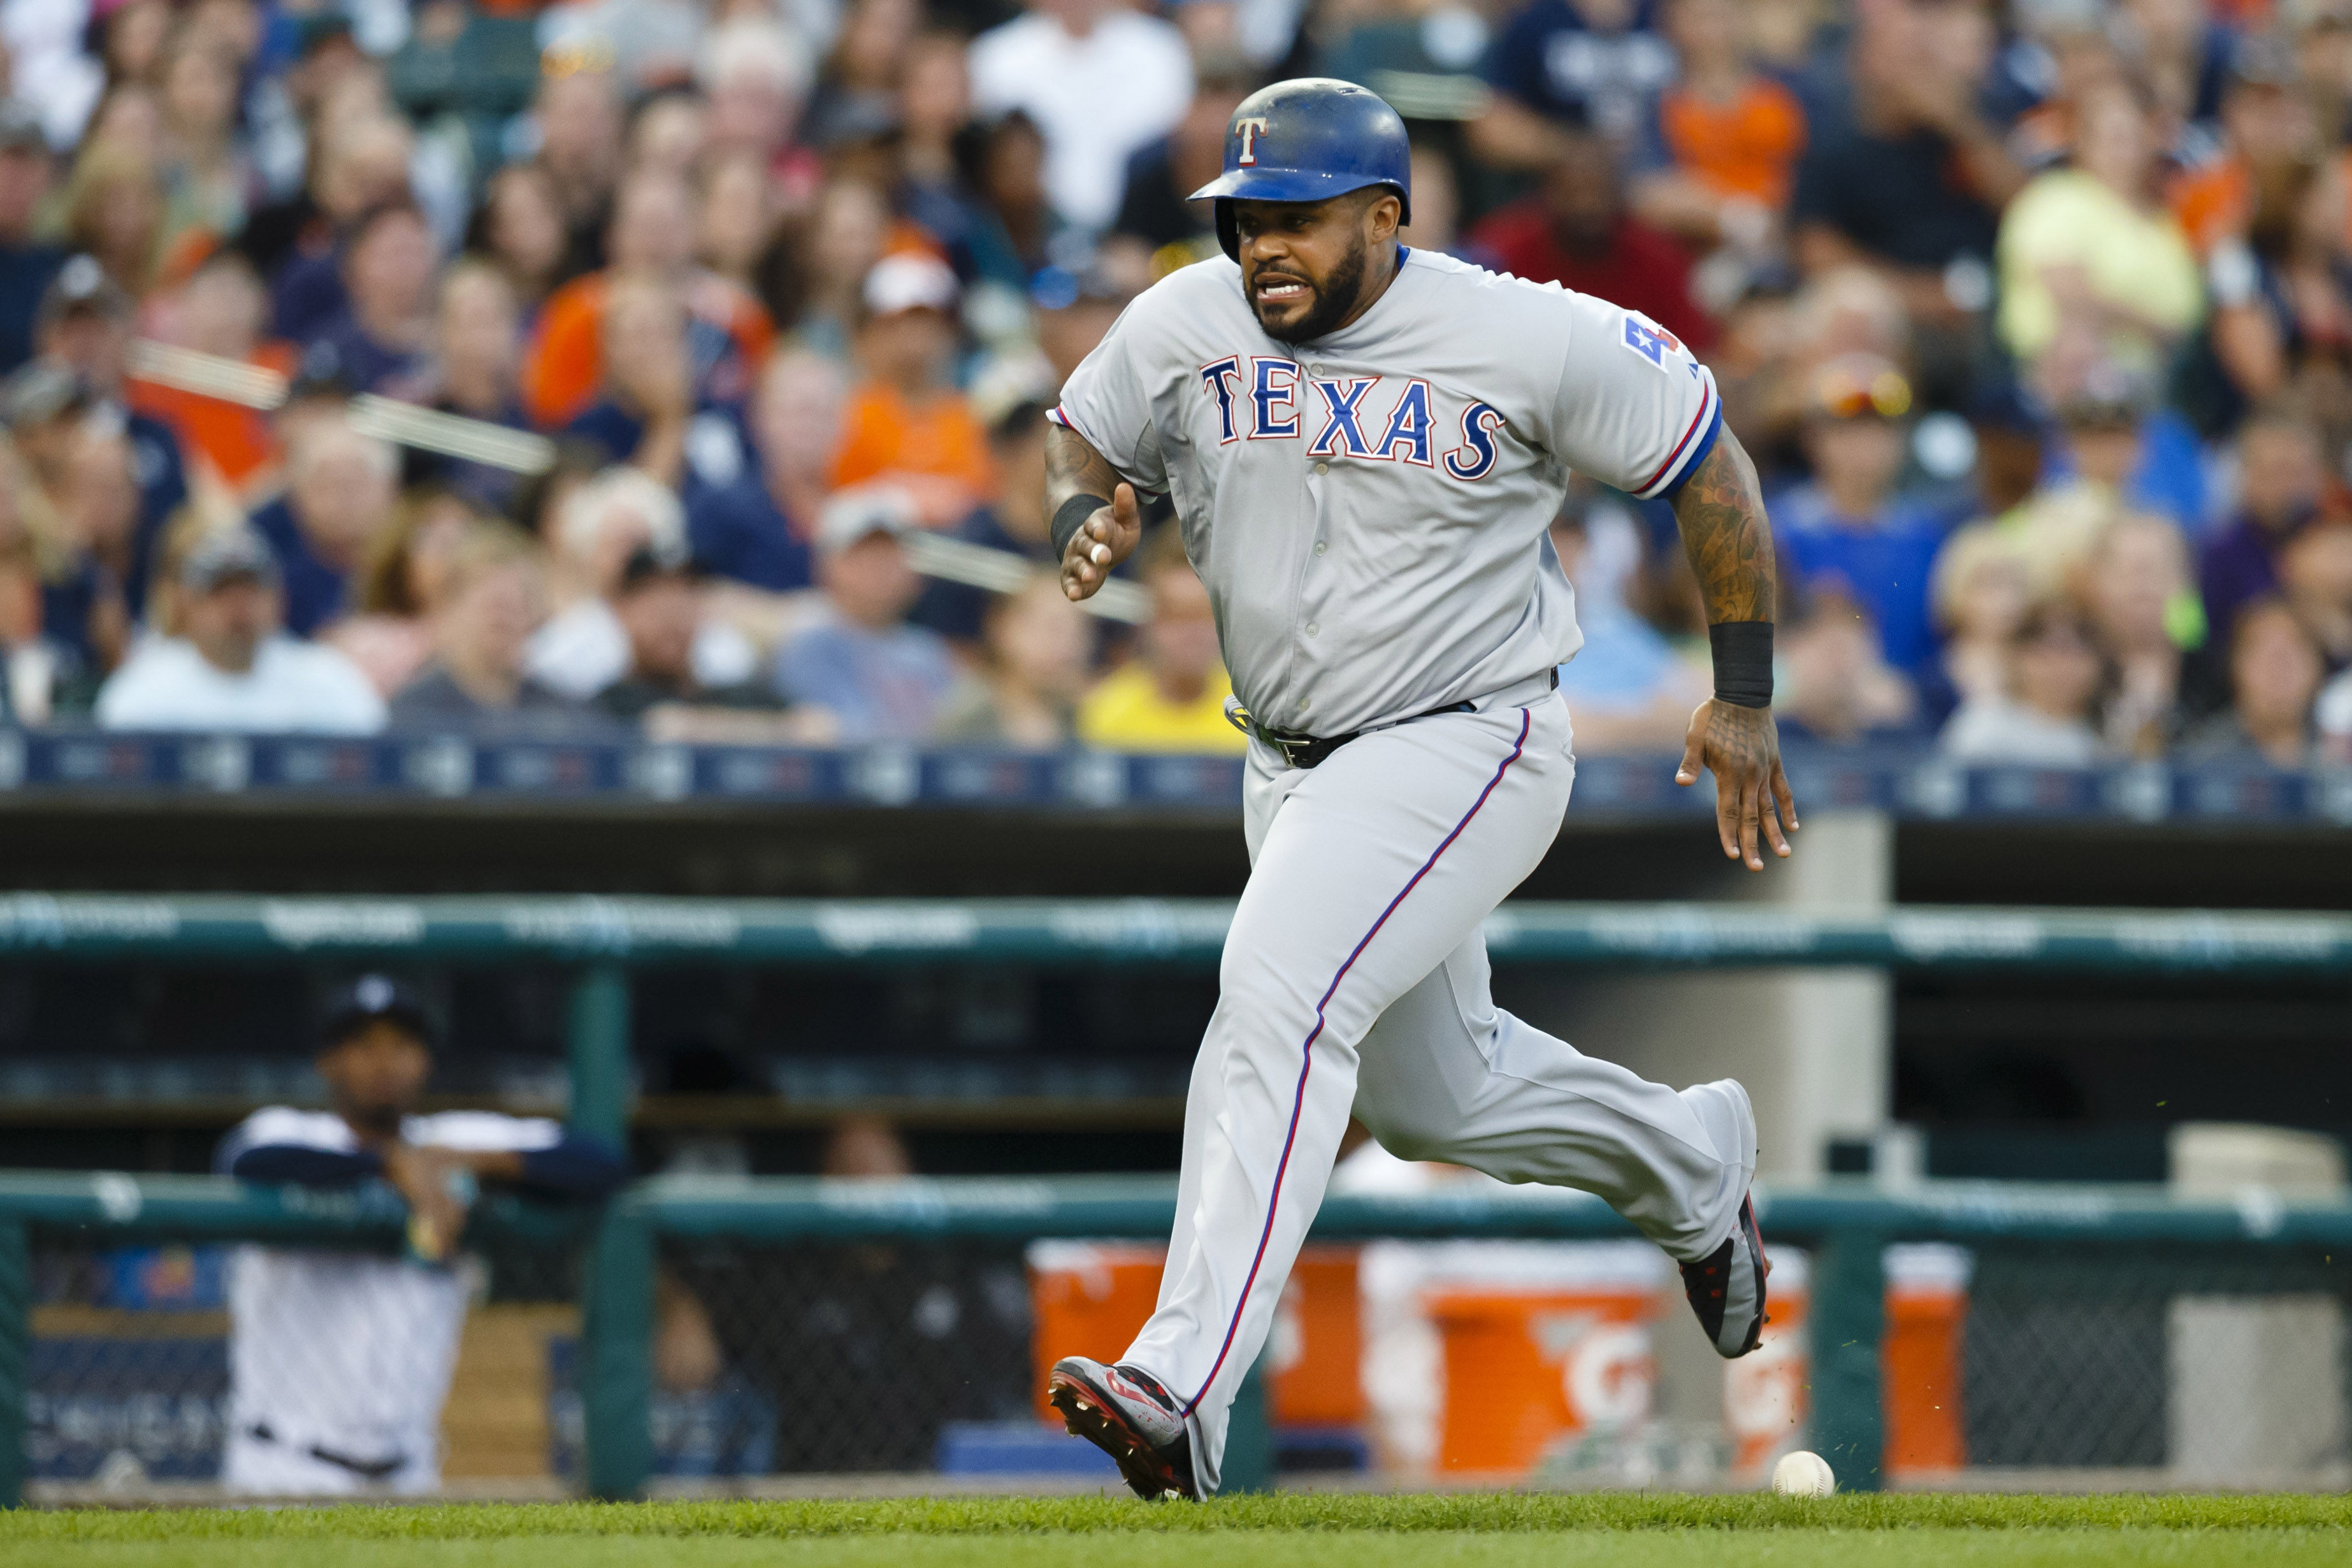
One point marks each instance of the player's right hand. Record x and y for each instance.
(1102, 541)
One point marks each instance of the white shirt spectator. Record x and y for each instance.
(49, 68)
(340, 1362)
(2000, 731)
(293, 688)
(1097, 98)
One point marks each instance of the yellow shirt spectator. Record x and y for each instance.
(2093, 245)
(1127, 712)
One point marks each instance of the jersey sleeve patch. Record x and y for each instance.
(1648, 341)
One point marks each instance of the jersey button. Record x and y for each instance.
(1313, 628)
(1322, 467)
(1320, 546)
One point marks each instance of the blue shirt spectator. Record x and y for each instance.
(739, 532)
(1881, 559)
(84, 325)
(380, 334)
(716, 454)
(1553, 58)
(1017, 442)
(1846, 530)
(880, 677)
(339, 497)
(27, 263)
(2281, 475)
(315, 592)
(162, 477)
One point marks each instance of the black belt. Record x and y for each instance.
(368, 1470)
(1308, 750)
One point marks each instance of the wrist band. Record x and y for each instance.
(1070, 516)
(1743, 661)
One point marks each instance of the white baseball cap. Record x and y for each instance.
(850, 514)
(910, 280)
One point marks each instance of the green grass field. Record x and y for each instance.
(1611, 1530)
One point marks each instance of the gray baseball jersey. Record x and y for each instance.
(1369, 510)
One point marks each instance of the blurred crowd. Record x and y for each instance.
(2037, 316)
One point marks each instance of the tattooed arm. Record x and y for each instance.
(1074, 469)
(1729, 545)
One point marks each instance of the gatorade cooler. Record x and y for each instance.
(1092, 1297)
(1927, 1314)
(1563, 1348)
(1318, 1348)
(1764, 1402)
(1089, 1298)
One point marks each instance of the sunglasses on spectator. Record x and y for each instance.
(1840, 393)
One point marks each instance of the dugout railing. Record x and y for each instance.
(604, 939)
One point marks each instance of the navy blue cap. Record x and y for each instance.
(1305, 140)
(368, 998)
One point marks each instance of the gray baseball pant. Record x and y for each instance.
(1355, 980)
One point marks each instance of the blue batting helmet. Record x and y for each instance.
(1305, 140)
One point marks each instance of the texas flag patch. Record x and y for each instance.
(1652, 341)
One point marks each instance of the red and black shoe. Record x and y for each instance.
(1726, 1288)
(1125, 1412)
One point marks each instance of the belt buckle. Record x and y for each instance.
(1292, 749)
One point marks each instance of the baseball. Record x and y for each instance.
(1803, 1474)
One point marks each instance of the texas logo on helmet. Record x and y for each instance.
(1251, 130)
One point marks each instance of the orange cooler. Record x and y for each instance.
(1092, 1297)
(1920, 1359)
(1318, 1364)
(1088, 1298)
(1528, 1363)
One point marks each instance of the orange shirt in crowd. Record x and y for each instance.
(565, 360)
(236, 441)
(2212, 202)
(2215, 201)
(1746, 148)
(882, 433)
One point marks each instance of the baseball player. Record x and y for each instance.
(338, 1361)
(1365, 444)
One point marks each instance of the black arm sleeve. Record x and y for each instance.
(577, 1167)
(280, 1163)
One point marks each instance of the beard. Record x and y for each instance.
(1334, 298)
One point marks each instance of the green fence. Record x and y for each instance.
(637, 931)
(607, 937)
(1847, 1226)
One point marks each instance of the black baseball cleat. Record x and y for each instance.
(1726, 1289)
(1125, 1412)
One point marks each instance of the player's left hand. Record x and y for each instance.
(1741, 746)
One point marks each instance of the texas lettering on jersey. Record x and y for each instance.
(1378, 419)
